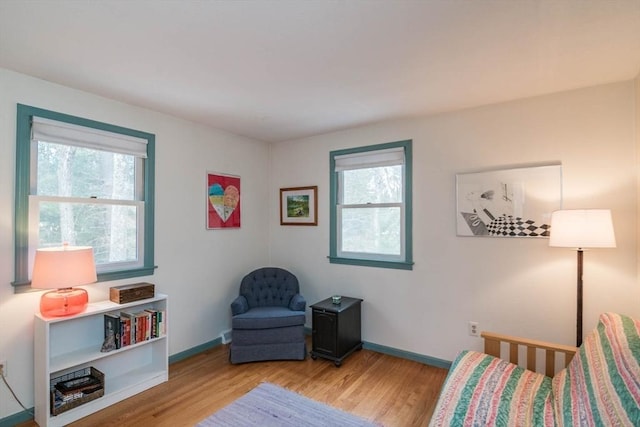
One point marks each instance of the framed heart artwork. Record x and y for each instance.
(223, 201)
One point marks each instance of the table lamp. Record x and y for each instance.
(61, 268)
(581, 229)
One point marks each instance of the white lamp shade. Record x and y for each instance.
(63, 267)
(582, 228)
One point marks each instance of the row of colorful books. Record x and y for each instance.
(127, 328)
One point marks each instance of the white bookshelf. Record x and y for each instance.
(67, 344)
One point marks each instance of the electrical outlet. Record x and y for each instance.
(474, 329)
(3, 367)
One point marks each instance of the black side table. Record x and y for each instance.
(336, 329)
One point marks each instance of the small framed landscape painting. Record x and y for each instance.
(299, 206)
(223, 201)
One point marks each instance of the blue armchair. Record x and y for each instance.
(268, 318)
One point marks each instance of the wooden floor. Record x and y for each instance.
(380, 388)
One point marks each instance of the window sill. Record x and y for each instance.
(372, 263)
(125, 274)
(20, 288)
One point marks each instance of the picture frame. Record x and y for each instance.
(511, 202)
(299, 206)
(223, 193)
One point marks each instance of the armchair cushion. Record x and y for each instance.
(267, 318)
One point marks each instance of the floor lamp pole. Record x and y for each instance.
(579, 302)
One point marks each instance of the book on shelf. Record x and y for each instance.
(156, 320)
(112, 328)
(125, 330)
(153, 323)
(142, 326)
(130, 328)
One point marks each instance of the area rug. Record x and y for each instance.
(271, 406)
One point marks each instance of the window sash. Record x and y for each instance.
(138, 172)
(377, 256)
(34, 229)
(342, 187)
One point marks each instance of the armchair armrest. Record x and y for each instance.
(492, 343)
(239, 305)
(297, 303)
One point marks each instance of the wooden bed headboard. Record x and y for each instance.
(492, 346)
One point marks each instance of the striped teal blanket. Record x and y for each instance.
(600, 387)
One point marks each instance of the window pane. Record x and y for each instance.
(69, 171)
(372, 185)
(371, 230)
(109, 229)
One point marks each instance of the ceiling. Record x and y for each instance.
(277, 70)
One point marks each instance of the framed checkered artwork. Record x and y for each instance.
(508, 202)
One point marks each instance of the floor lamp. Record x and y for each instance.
(581, 229)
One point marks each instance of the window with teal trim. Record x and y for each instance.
(84, 183)
(371, 218)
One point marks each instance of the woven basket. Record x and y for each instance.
(74, 402)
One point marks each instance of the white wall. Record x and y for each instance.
(517, 286)
(198, 269)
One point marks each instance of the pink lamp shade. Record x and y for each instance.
(62, 268)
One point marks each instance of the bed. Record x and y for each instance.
(595, 384)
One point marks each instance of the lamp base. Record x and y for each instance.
(63, 302)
